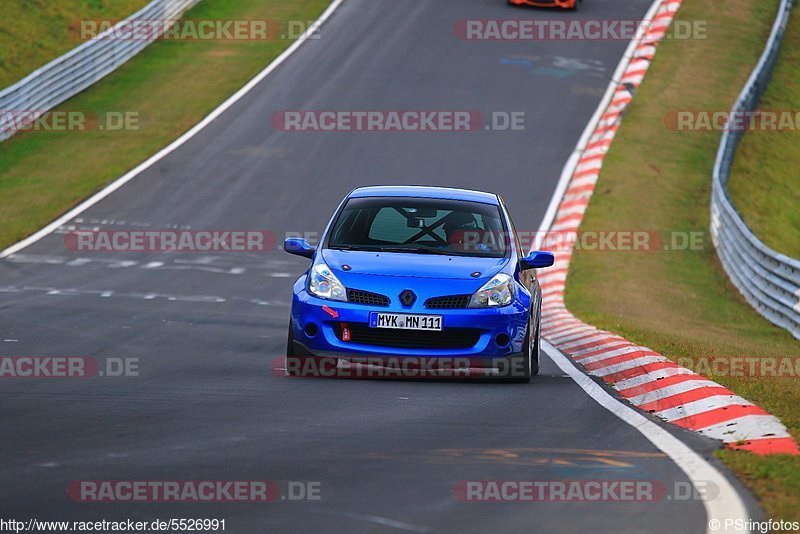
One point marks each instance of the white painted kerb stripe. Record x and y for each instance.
(744, 428)
(702, 406)
(627, 365)
(652, 376)
(669, 391)
(726, 505)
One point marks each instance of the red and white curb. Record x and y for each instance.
(645, 378)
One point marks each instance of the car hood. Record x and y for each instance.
(413, 265)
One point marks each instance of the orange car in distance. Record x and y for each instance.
(566, 4)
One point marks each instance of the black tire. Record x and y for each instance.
(520, 370)
(530, 360)
(535, 356)
(292, 360)
(290, 342)
(298, 365)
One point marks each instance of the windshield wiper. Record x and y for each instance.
(412, 250)
(381, 248)
(350, 247)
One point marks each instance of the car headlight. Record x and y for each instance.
(323, 283)
(499, 291)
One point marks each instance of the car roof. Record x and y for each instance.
(418, 191)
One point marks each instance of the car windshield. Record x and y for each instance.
(421, 226)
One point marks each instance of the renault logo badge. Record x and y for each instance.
(407, 297)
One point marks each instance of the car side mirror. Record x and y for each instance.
(298, 246)
(536, 260)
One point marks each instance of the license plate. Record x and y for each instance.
(404, 321)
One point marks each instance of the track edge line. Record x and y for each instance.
(174, 145)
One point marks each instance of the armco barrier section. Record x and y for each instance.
(770, 281)
(68, 75)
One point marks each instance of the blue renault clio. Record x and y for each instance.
(418, 272)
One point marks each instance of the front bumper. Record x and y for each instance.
(494, 332)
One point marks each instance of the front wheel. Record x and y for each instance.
(294, 363)
(535, 344)
(308, 366)
(290, 341)
(527, 365)
(520, 367)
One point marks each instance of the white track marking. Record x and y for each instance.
(572, 162)
(559, 320)
(702, 406)
(669, 391)
(742, 428)
(625, 366)
(613, 344)
(564, 329)
(584, 340)
(726, 505)
(401, 525)
(624, 385)
(555, 333)
(119, 182)
(572, 336)
(611, 354)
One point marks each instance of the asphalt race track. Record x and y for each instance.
(205, 328)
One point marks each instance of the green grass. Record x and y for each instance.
(682, 303)
(46, 173)
(765, 182)
(34, 32)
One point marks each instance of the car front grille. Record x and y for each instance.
(448, 338)
(358, 296)
(449, 302)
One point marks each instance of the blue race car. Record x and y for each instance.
(418, 273)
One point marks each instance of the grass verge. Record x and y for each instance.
(682, 303)
(172, 85)
(764, 183)
(34, 32)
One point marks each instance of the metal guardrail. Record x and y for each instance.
(770, 281)
(68, 75)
